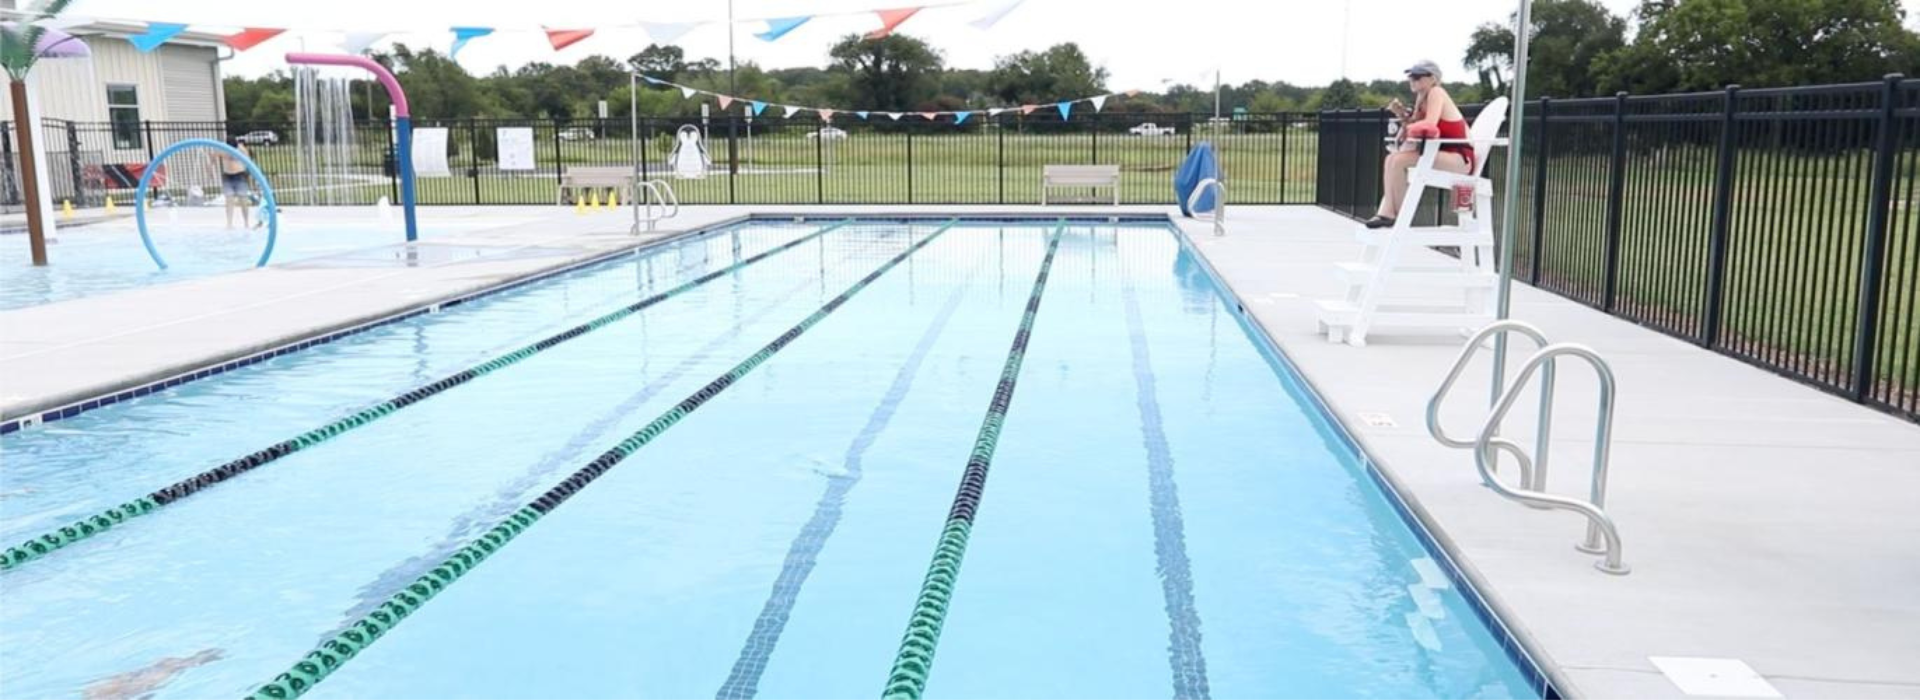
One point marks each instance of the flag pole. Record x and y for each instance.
(1510, 216)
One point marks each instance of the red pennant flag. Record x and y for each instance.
(563, 38)
(826, 115)
(725, 101)
(1028, 109)
(250, 37)
(890, 19)
(930, 116)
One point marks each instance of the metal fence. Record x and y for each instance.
(1269, 158)
(1778, 226)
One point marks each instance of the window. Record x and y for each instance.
(123, 112)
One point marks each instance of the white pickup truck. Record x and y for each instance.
(1152, 129)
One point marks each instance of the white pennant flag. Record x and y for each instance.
(894, 116)
(996, 111)
(993, 17)
(687, 92)
(1099, 102)
(668, 32)
(791, 110)
(356, 43)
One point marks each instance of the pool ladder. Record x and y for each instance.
(1602, 538)
(1219, 213)
(656, 201)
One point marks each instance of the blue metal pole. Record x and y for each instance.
(405, 157)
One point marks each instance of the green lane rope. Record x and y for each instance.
(915, 660)
(74, 532)
(330, 655)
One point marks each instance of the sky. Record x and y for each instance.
(1144, 44)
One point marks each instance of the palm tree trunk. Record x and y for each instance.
(29, 175)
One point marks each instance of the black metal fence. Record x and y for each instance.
(1269, 158)
(1779, 226)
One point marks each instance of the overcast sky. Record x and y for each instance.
(1141, 42)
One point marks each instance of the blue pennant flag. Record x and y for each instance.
(961, 117)
(777, 28)
(862, 115)
(1066, 110)
(157, 33)
(652, 80)
(461, 35)
(758, 106)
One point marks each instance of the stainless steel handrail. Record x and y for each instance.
(651, 193)
(1533, 473)
(1602, 536)
(1219, 214)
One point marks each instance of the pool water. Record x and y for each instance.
(1167, 513)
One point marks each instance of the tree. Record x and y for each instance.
(1340, 94)
(895, 72)
(1060, 72)
(663, 62)
(19, 51)
(1568, 37)
(436, 87)
(1708, 44)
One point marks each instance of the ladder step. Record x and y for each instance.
(1450, 276)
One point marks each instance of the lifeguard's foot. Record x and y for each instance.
(1380, 222)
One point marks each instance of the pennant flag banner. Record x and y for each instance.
(462, 35)
(791, 110)
(1066, 110)
(777, 28)
(758, 107)
(250, 37)
(995, 111)
(993, 17)
(1100, 102)
(359, 42)
(725, 101)
(894, 115)
(563, 38)
(688, 92)
(157, 33)
(929, 116)
(652, 80)
(755, 107)
(826, 115)
(667, 32)
(890, 19)
(961, 117)
(861, 115)
(1028, 109)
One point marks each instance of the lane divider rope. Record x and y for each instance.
(914, 663)
(335, 652)
(83, 529)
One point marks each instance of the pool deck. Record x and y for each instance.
(1765, 521)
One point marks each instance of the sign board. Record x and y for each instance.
(516, 147)
(430, 152)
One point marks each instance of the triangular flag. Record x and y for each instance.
(250, 37)
(826, 115)
(1099, 102)
(862, 115)
(890, 19)
(993, 17)
(652, 80)
(791, 110)
(1066, 109)
(668, 32)
(725, 101)
(894, 116)
(961, 117)
(777, 28)
(157, 33)
(929, 116)
(687, 92)
(758, 107)
(563, 38)
(995, 111)
(358, 42)
(1028, 109)
(462, 35)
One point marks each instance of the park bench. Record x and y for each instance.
(1093, 176)
(578, 177)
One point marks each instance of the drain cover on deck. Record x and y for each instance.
(1727, 678)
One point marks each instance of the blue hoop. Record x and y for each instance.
(266, 196)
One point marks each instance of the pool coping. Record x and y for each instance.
(1520, 645)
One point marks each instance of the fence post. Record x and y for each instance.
(146, 128)
(73, 163)
(1616, 187)
(1722, 223)
(1540, 188)
(909, 165)
(1873, 255)
(1285, 126)
(392, 161)
(559, 171)
(820, 163)
(733, 159)
(1000, 159)
(473, 155)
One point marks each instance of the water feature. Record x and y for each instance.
(323, 137)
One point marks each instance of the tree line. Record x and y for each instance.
(1579, 48)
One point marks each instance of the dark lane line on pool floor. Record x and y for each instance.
(915, 660)
(335, 652)
(60, 538)
(744, 681)
(508, 497)
(1184, 653)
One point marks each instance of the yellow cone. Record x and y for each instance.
(579, 205)
(613, 199)
(66, 208)
(110, 206)
(593, 199)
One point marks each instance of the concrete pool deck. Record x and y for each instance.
(1765, 521)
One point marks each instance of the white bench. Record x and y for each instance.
(1096, 176)
(579, 177)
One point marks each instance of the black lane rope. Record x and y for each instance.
(914, 663)
(66, 535)
(1184, 654)
(335, 652)
(744, 680)
(508, 498)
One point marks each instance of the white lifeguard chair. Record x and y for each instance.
(689, 158)
(1385, 289)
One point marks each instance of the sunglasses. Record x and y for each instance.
(1417, 76)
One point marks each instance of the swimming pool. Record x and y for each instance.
(825, 459)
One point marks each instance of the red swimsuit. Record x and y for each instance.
(1456, 129)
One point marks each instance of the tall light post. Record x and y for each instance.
(1510, 216)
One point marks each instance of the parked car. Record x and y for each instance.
(577, 133)
(829, 133)
(1152, 129)
(262, 137)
